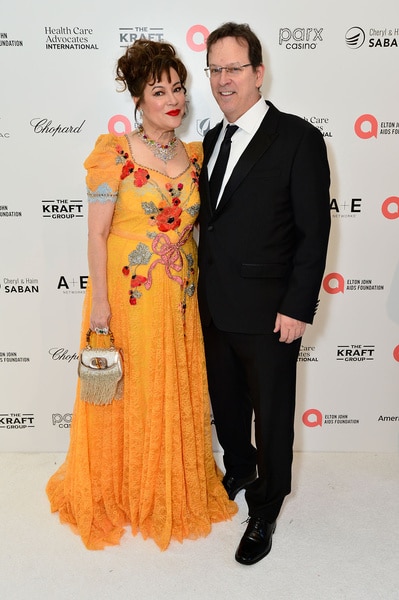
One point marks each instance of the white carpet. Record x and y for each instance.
(337, 539)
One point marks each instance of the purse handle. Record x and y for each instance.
(110, 334)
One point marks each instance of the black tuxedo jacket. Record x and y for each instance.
(263, 249)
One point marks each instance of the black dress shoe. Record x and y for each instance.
(256, 542)
(233, 485)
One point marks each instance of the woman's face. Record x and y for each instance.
(163, 104)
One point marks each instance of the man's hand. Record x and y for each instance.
(290, 329)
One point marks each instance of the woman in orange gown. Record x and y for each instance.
(144, 460)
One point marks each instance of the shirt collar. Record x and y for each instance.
(250, 121)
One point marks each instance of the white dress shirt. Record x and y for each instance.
(248, 124)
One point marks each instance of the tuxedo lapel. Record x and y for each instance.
(208, 145)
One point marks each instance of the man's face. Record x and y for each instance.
(235, 93)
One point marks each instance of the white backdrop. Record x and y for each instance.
(335, 64)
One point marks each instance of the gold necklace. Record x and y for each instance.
(163, 151)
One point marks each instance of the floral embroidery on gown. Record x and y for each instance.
(145, 460)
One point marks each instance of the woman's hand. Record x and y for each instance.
(100, 315)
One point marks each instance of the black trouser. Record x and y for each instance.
(254, 374)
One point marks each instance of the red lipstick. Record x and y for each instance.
(174, 113)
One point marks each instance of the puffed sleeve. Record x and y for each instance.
(196, 151)
(103, 167)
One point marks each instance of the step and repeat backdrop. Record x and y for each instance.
(335, 66)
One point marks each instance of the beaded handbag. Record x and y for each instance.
(101, 372)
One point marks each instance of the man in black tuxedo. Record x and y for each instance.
(262, 252)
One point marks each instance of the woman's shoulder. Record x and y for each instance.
(106, 145)
(194, 150)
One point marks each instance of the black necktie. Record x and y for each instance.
(215, 182)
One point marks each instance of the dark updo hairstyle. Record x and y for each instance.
(145, 62)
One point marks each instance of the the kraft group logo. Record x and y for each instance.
(62, 208)
(129, 35)
(17, 420)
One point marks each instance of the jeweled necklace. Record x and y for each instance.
(163, 151)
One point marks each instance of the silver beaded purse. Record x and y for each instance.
(101, 372)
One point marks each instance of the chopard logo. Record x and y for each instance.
(43, 125)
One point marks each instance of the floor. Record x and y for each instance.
(337, 539)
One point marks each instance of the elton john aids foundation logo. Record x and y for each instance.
(314, 418)
(390, 208)
(196, 38)
(367, 126)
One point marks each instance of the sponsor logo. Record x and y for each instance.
(5, 212)
(72, 285)
(301, 38)
(203, 126)
(12, 357)
(43, 125)
(20, 285)
(119, 125)
(307, 354)
(355, 353)
(62, 421)
(385, 37)
(396, 353)
(196, 38)
(322, 124)
(69, 38)
(388, 419)
(6, 42)
(367, 126)
(128, 35)
(62, 209)
(390, 207)
(314, 418)
(16, 420)
(4, 135)
(355, 37)
(345, 209)
(335, 283)
(63, 354)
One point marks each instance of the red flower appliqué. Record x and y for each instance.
(140, 177)
(168, 218)
(137, 280)
(127, 168)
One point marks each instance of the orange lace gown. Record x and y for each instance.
(145, 460)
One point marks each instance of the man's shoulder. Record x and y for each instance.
(291, 120)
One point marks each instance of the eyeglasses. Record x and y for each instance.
(234, 70)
